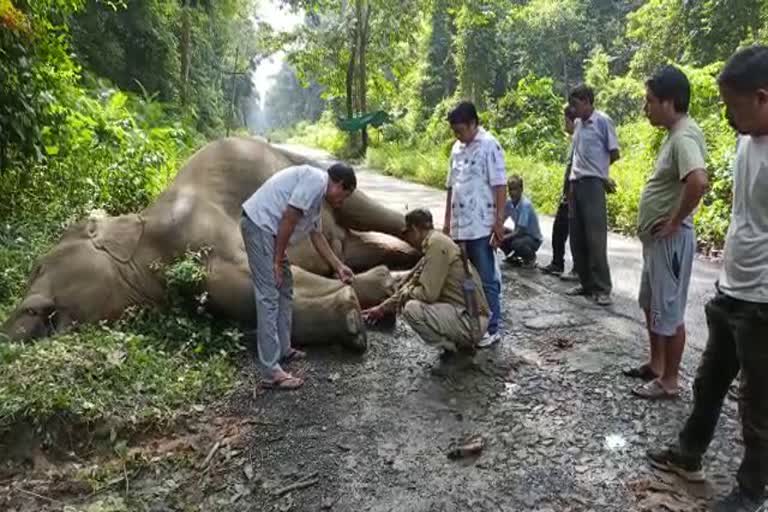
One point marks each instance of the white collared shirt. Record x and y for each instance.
(300, 186)
(474, 169)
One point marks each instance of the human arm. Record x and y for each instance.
(611, 140)
(690, 160)
(696, 185)
(288, 221)
(500, 195)
(344, 273)
(497, 179)
(429, 282)
(447, 218)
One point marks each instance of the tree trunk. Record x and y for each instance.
(565, 72)
(185, 50)
(364, 25)
(351, 80)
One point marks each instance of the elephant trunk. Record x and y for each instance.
(361, 213)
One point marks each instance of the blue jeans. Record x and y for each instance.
(483, 257)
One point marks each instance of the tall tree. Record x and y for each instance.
(355, 47)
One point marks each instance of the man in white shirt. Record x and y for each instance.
(738, 314)
(474, 205)
(284, 210)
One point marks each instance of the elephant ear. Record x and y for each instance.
(118, 236)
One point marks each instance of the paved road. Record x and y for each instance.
(625, 253)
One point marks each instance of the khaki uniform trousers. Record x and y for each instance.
(443, 325)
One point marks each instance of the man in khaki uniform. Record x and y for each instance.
(431, 299)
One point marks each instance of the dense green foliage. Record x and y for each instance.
(517, 60)
(100, 103)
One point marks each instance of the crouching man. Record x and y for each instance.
(431, 299)
(285, 209)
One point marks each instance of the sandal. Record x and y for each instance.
(653, 390)
(285, 383)
(294, 355)
(643, 372)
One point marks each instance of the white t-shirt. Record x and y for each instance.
(300, 186)
(474, 170)
(745, 268)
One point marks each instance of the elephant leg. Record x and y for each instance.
(371, 287)
(333, 318)
(318, 319)
(363, 251)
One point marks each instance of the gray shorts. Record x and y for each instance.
(664, 283)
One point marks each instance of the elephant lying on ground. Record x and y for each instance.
(104, 264)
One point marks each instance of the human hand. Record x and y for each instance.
(373, 315)
(447, 229)
(278, 270)
(665, 228)
(498, 234)
(345, 273)
(610, 185)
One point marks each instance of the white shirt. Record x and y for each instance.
(474, 170)
(745, 267)
(300, 186)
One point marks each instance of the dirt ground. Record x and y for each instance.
(561, 431)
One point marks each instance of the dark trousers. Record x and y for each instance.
(523, 246)
(560, 235)
(738, 340)
(589, 234)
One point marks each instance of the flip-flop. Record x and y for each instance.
(653, 390)
(286, 383)
(294, 355)
(643, 372)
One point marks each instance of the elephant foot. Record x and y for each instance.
(357, 340)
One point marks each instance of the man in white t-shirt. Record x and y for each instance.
(738, 314)
(284, 210)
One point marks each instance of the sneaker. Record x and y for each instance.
(739, 501)
(672, 461)
(603, 299)
(576, 290)
(488, 339)
(552, 270)
(529, 264)
(571, 276)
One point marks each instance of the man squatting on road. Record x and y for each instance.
(431, 298)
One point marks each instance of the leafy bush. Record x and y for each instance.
(424, 165)
(325, 135)
(100, 373)
(108, 152)
(529, 119)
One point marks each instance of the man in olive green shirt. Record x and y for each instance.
(665, 227)
(431, 298)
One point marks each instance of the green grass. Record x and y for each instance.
(139, 371)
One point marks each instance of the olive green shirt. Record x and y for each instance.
(439, 275)
(684, 150)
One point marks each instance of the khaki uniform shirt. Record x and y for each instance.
(439, 275)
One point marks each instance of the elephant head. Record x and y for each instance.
(81, 279)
